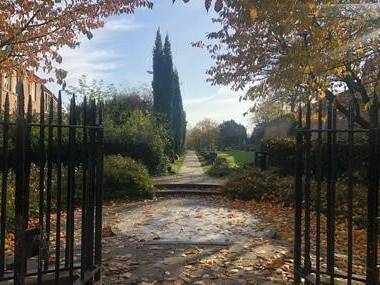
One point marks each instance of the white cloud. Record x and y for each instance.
(223, 105)
(119, 24)
(95, 63)
(96, 58)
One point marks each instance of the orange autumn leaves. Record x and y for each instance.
(33, 32)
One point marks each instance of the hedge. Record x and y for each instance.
(282, 156)
(125, 177)
(251, 183)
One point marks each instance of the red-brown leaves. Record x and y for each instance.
(33, 32)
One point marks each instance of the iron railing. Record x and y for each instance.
(318, 257)
(51, 192)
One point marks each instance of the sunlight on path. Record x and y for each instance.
(188, 239)
(192, 240)
(191, 173)
(194, 219)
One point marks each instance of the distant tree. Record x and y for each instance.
(205, 135)
(232, 134)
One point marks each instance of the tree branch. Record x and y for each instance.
(358, 119)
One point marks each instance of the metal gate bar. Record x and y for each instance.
(316, 176)
(55, 163)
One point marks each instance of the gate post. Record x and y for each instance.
(298, 201)
(372, 203)
(99, 197)
(20, 193)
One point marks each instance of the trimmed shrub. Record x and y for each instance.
(138, 136)
(282, 156)
(250, 183)
(208, 156)
(125, 177)
(220, 168)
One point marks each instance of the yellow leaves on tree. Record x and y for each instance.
(285, 43)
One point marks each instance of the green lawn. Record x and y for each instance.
(236, 158)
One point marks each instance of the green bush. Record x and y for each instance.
(140, 137)
(220, 168)
(250, 183)
(125, 177)
(208, 156)
(282, 156)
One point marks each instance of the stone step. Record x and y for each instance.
(188, 186)
(187, 191)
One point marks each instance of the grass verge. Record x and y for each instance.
(237, 158)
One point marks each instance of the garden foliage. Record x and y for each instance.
(125, 177)
(282, 156)
(251, 183)
(138, 134)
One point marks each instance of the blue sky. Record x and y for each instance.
(121, 53)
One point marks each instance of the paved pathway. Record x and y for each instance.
(191, 173)
(188, 240)
(192, 240)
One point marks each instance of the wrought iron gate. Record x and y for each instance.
(328, 159)
(51, 192)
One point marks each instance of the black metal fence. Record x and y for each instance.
(328, 246)
(51, 192)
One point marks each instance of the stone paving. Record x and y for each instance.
(190, 239)
(191, 173)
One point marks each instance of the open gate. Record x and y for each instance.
(336, 189)
(51, 171)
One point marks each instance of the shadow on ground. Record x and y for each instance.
(193, 240)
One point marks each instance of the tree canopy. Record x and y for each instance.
(232, 134)
(33, 32)
(205, 135)
(270, 47)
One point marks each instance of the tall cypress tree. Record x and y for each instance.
(163, 77)
(167, 78)
(167, 93)
(157, 83)
(178, 116)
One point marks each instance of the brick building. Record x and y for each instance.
(32, 86)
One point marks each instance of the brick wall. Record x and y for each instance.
(32, 89)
